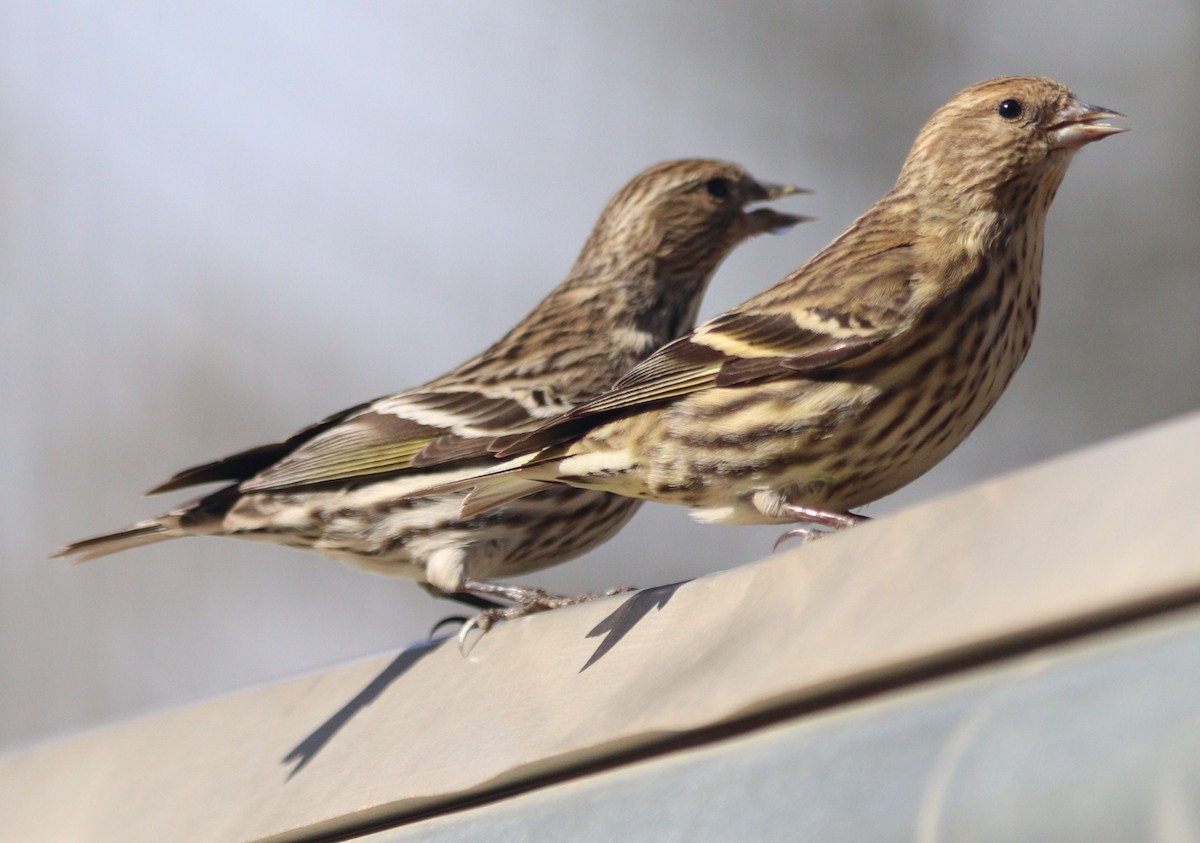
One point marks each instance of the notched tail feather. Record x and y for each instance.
(135, 535)
(199, 517)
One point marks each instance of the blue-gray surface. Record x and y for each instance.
(1098, 741)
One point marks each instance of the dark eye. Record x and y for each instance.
(1010, 109)
(718, 189)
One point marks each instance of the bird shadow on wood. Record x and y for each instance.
(626, 616)
(307, 749)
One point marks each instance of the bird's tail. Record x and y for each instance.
(135, 535)
(487, 487)
(496, 490)
(198, 517)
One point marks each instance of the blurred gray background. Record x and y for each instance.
(222, 222)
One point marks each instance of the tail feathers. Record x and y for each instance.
(496, 491)
(135, 535)
(488, 487)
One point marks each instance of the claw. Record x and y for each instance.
(483, 622)
(534, 600)
(445, 621)
(805, 534)
(834, 521)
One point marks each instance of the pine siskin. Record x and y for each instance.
(859, 371)
(336, 486)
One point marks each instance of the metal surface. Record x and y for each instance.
(1098, 741)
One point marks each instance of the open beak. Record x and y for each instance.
(1080, 123)
(768, 219)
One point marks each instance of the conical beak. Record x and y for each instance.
(1080, 123)
(763, 191)
(768, 219)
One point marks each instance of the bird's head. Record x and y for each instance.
(687, 215)
(999, 139)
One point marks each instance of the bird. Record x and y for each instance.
(336, 486)
(860, 370)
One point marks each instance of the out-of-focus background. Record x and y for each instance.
(222, 222)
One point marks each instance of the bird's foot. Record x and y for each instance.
(815, 519)
(529, 601)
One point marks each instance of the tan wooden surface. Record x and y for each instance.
(1079, 539)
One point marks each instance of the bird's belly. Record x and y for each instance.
(371, 528)
(831, 445)
(723, 447)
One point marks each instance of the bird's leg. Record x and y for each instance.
(823, 517)
(512, 593)
(835, 521)
(536, 598)
(464, 597)
(529, 601)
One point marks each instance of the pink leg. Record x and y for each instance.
(823, 518)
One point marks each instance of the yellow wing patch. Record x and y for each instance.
(368, 445)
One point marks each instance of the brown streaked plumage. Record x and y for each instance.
(336, 487)
(863, 368)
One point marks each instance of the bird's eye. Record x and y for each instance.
(718, 189)
(1010, 109)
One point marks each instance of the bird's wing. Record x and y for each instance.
(249, 462)
(411, 430)
(785, 332)
(408, 430)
